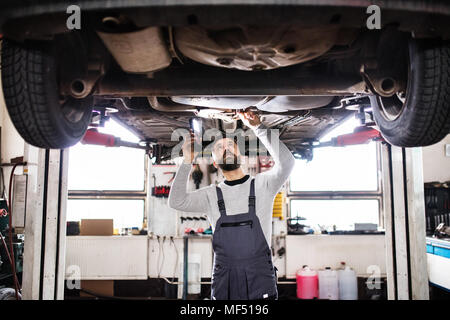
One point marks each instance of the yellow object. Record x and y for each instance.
(116, 232)
(278, 205)
(144, 224)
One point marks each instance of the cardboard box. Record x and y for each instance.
(99, 287)
(96, 227)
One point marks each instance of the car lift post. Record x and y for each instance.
(45, 224)
(404, 221)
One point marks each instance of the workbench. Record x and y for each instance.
(438, 260)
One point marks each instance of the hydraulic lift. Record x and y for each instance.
(44, 269)
(403, 208)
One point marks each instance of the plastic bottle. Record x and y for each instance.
(307, 283)
(348, 285)
(328, 284)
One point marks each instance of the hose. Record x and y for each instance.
(159, 254)
(10, 261)
(11, 253)
(107, 297)
(163, 257)
(3, 183)
(176, 260)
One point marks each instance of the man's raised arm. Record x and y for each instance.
(180, 199)
(283, 158)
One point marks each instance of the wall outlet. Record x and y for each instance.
(447, 150)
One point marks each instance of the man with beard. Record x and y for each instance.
(240, 212)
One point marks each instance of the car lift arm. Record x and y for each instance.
(94, 137)
(360, 135)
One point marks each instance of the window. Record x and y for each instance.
(341, 214)
(352, 168)
(347, 173)
(108, 182)
(107, 168)
(125, 213)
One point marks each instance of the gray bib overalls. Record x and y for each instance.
(243, 268)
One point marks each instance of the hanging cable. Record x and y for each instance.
(3, 183)
(11, 248)
(9, 257)
(159, 254)
(176, 259)
(162, 262)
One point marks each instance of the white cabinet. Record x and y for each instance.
(107, 257)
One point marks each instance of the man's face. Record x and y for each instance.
(226, 154)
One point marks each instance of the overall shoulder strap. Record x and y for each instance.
(252, 198)
(220, 202)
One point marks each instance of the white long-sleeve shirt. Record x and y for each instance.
(267, 185)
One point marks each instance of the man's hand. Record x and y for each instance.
(250, 119)
(188, 149)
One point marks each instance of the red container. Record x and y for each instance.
(307, 283)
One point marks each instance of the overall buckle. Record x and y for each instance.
(221, 205)
(251, 201)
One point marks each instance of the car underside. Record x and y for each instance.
(303, 68)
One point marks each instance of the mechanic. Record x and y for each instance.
(240, 212)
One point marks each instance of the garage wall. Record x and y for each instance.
(436, 166)
(165, 221)
(12, 144)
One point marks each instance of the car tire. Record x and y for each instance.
(40, 114)
(422, 116)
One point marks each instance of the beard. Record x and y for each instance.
(229, 163)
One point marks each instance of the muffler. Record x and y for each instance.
(140, 51)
